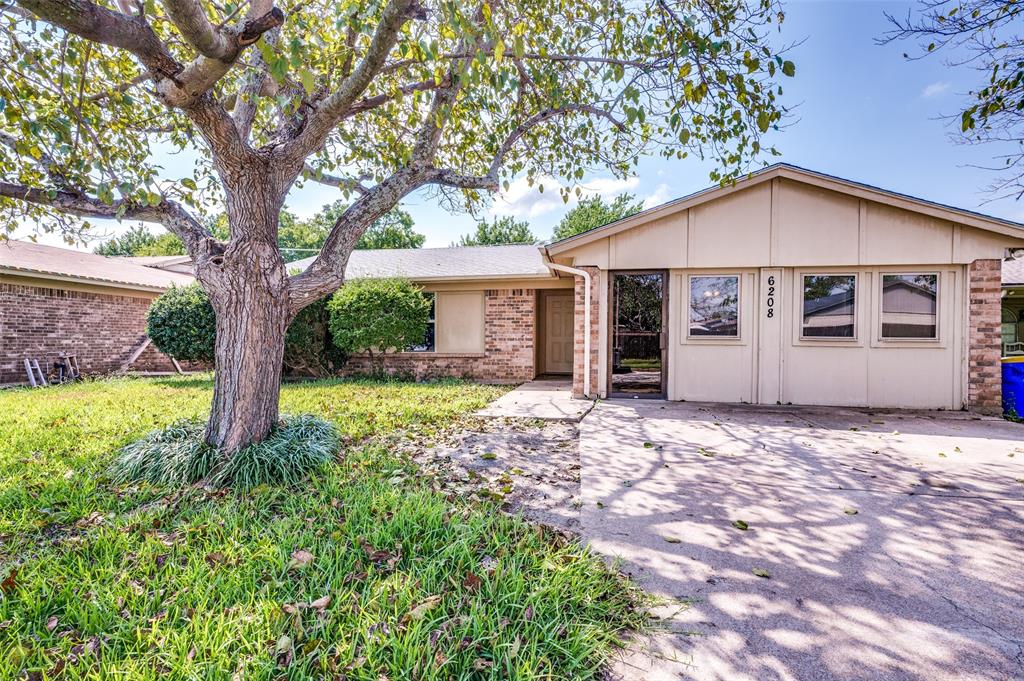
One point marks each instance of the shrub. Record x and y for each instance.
(377, 315)
(182, 324)
(177, 456)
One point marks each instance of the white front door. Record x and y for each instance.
(559, 314)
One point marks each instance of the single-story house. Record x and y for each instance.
(57, 301)
(790, 286)
(1013, 307)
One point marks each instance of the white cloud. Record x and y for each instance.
(935, 89)
(525, 202)
(660, 196)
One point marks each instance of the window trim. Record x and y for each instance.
(882, 338)
(801, 275)
(739, 308)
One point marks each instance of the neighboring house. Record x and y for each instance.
(789, 286)
(56, 301)
(1013, 307)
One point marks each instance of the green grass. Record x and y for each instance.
(133, 582)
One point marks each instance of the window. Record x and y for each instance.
(714, 306)
(909, 307)
(830, 306)
(428, 340)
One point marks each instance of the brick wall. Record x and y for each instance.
(101, 329)
(984, 377)
(508, 356)
(578, 342)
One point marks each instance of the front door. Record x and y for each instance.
(638, 343)
(559, 311)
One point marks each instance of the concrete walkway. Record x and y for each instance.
(545, 399)
(891, 544)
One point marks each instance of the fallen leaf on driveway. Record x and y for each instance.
(850, 511)
(673, 540)
(761, 572)
(740, 525)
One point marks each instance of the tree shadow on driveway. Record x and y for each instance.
(892, 540)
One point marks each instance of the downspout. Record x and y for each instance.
(586, 316)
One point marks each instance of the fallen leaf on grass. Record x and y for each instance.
(480, 664)
(761, 572)
(321, 602)
(300, 558)
(51, 623)
(7, 586)
(740, 525)
(284, 651)
(421, 610)
(472, 582)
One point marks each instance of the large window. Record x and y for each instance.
(714, 306)
(830, 306)
(909, 307)
(428, 340)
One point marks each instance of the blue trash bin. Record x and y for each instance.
(1013, 386)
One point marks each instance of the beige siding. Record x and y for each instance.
(785, 228)
(460, 321)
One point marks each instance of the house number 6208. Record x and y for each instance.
(770, 299)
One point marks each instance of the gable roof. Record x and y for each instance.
(803, 175)
(64, 264)
(520, 261)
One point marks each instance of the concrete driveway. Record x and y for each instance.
(894, 542)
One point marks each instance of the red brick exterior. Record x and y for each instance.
(578, 343)
(508, 356)
(102, 330)
(984, 377)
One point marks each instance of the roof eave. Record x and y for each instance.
(54, 276)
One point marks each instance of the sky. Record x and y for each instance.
(859, 111)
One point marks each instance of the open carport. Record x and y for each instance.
(892, 541)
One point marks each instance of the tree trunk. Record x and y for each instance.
(248, 288)
(251, 325)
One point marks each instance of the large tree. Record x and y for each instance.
(500, 230)
(984, 35)
(379, 99)
(595, 212)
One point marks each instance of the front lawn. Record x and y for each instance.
(364, 572)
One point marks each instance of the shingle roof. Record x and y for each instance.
(52, 262)
(1013, 272)
(456, 262)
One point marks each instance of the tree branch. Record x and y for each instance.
(323, 178)
(320, 123)
(489, 181)
(191, 20)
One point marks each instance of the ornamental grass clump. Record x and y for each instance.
(178, 455)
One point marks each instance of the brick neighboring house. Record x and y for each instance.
(57, 301)
(789, 286)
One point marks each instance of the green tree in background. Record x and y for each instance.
(503, 230)
(394, 229)
(594, 212)
(128, 243)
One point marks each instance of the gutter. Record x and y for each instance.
(586, 313)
